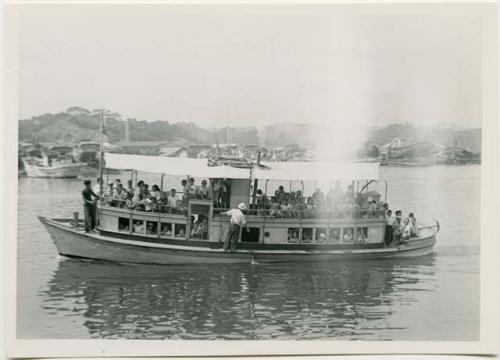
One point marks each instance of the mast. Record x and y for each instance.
(101, 150)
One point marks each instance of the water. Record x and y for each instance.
(428, 298)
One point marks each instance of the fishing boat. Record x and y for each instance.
(131, 233)
(56, 162)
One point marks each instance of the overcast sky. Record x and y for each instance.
(255, 65)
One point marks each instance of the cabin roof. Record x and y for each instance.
(271, 170)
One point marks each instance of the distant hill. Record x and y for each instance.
(77, 123)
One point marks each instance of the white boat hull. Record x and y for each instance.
(73, 242)
(63, 171)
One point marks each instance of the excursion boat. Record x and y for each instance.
(167, 237)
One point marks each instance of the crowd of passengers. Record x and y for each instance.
(282, 204)
(142, 197)
(294, 204)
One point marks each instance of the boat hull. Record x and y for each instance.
(73, 242)
(65, 171)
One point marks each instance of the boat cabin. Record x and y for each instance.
(203, 221)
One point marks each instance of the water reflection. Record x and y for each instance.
(348, 300)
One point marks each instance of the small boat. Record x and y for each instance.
(165, 236)
(57, 162)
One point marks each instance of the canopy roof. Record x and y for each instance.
(173, 166)
(316, 171)
(271, 171)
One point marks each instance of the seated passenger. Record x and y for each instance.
(348, 236)
(275, 210)
(150, 229)
(181, 233)
(293, 236)
(155, 193)
(138, 227)
(202, 191)
(204, 228)
(280, 194)
(120, 196)
(318, 198)
(361, 237)
(310, 210)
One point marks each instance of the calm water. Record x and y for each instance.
(429, 298)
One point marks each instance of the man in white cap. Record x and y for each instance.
(237, 221)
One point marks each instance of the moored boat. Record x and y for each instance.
(165, 235)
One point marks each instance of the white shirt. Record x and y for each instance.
(237, 217)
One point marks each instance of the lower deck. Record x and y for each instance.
(200, 226)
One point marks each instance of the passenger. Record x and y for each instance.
(318, 198)
(120, 196)
(361, 237)
(348, 236)
(202, 191)
(204, 228)
(413, 225)
(191, 188)
(181, 233)
(216, 184)
(155, 193)
(397, 230)
(138, 192)
(185, 191)
(225, 191)
(172, 201)
(138, 227)
(294, 237)
(280, 194)
(89, 197)
(162, 205)
(310, 211)
(406, 230)
(336, 194)
(130, 189)
(389, 222)
(237, 221)
(274, 210)
(150, 229)
(116, 183)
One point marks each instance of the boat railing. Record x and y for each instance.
(353, 212)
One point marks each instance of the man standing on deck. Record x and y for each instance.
(237, 221)
(89, 206)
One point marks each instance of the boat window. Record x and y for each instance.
(180, 231)
(123, 224)
(250, 236)
(293, 235)
(348, 235)
(361, 235)
(320, 235)
(166, 229)
(152, 228)
(307, 235)
(334, 236)
(138, 226)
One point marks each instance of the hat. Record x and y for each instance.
(242, 206)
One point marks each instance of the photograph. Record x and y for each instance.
(230, 177)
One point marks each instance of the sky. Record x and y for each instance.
(255, 65)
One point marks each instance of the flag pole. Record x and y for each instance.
(101, 150)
